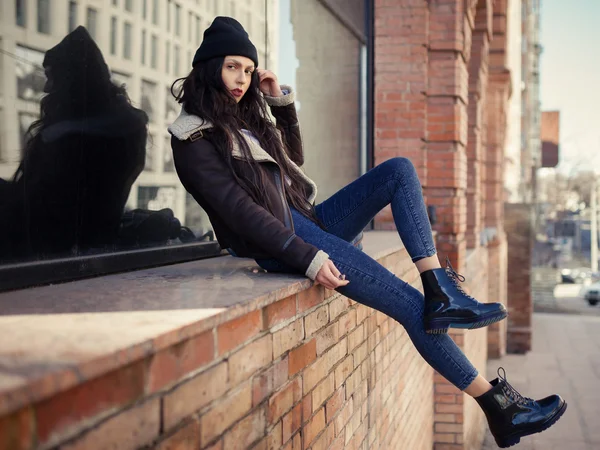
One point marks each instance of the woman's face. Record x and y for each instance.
(237, 75)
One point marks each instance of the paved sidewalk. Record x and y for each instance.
(565, 360)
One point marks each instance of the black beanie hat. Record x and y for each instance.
(225, 36)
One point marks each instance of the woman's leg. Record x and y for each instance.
(510, 416)
(373, 285)
(395, 182)
(346, 213)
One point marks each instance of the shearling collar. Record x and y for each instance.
(187, 124)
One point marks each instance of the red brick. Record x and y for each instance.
(133, 428)
(309, 298)
(288, 337)
(444, 438)
(445, 399)
(249, 359)
(245, 432)
(216, 446)
(302, 356)
(344, 416)
(225, 413)
(93, 397)
(306, 408)
(338, 306)
(237, 331)
(448, 428)
(314, 427)
(194, 394)
(17, 430)
(268, 381)
(292, 422)
(282, 401)
(316, 320)
(323, 391)
(325, 440)
(347, 322)
(327, 338)
(275, 438)
(185, 438)
(171, 364)
(280, 311)
(356, 337)
(335, 403)
(454, 408)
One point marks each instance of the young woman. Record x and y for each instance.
(244, 171)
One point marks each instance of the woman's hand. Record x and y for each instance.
(268, 83)
(330, 277)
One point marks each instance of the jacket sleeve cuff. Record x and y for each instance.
(284, 100)
(316, 264)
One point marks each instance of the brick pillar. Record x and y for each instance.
(401, 30)
(520, 303)
(478, 75)
(447, 120)
(498, 93)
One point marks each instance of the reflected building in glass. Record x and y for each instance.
(146, 44)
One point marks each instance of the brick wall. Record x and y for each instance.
(441, 98)
(520, 303)
(311, 371)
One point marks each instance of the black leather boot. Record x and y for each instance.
(448, 306)
(512, 416)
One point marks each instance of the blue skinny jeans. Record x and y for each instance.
(345, 215)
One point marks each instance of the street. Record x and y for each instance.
(565, 359)
(567, 299)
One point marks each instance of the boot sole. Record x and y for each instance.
(441, 326)
(514, 439)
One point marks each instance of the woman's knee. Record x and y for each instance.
(401, 165)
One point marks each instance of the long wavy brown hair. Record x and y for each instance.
(204, 94)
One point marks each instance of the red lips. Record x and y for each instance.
(237, 92)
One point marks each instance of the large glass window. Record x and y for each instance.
(96, 177)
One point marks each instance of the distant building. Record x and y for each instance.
(550, 132)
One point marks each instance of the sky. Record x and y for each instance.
(570, 78)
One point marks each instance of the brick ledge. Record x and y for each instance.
(56, 337)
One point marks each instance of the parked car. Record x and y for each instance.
(591, 293)
(579, 275)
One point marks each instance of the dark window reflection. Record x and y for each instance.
(92, 18)
(149, 93)
(20, 13)
(72, 15)
(113, 35)
(79, 188)
(30, 75)
(43, 23)
(127, 40)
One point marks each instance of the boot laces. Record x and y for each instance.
(511, 392)
(456, 278)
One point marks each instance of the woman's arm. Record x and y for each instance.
(205, 174)
(286, 117)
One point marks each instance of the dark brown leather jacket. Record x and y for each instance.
(239, 223)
